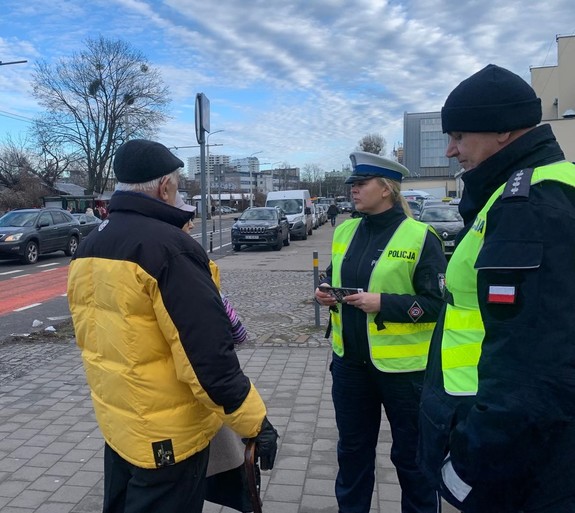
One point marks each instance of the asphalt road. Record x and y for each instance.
(33, 297)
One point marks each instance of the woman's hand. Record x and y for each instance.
(369, 302)
(324, 298)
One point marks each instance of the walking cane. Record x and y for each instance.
(253, 475)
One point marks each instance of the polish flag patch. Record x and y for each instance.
(503, 294)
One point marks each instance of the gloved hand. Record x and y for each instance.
(267, 445)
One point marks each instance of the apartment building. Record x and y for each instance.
(555, 85)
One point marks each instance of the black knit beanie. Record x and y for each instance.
(492, 100)
(140, 160)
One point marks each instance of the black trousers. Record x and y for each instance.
(359, 391)
(178, 488)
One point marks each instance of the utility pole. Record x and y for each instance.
(203, 126)
(251, 179)
(208, 180)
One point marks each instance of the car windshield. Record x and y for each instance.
(289, 206)
(445, 215)
(259, 215)
(18, 219)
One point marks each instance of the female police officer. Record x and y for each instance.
(381, 336)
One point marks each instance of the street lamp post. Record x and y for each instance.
(209, 203)
(251, 180)
(2, 63)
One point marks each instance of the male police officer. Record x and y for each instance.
(498, 407)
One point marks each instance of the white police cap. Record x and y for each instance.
(368, 165)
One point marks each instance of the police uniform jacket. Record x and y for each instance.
(372, 236)
(155, 338)
(512, 442)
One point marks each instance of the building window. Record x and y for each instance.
(433, 143)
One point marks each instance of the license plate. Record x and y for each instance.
(449, 243)
(252, 236)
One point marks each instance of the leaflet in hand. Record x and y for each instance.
(340, 292)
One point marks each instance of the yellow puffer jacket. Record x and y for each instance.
(155, 337)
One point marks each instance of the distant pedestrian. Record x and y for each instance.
(332, 212)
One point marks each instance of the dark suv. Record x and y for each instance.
(261, 226)
(28, 233)
(446, 221)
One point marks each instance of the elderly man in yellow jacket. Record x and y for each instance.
(157, 344)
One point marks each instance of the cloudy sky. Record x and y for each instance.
(299, 82)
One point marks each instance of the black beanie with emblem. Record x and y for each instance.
(140, 160)
(492, 100)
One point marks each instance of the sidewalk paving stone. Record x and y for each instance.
(52, 451)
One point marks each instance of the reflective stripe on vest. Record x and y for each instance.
(400, 347)
(463, 329)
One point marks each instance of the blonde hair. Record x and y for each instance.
(396, 197)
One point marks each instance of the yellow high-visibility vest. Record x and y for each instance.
(400, 347)
(463, 329)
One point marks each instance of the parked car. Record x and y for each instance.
(315, 216)
(446, 221)
(266, 226)
(224, 209)
(415, 207)
(322, 213)
(28, 233)
(346, 206)
(87, 223)
(416, 195)
(297, 206)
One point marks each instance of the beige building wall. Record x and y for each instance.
(448, 186)
(555, 85)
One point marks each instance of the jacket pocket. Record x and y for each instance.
(510, 255)
(435, 423)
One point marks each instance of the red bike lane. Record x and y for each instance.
(23, 291)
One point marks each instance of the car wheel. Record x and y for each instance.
(279, 244)
(30, 253)
(72, 246)
(237, 247)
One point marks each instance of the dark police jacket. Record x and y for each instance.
(513, 443)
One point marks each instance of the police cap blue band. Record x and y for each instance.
(368, 170)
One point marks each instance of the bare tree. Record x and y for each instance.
(14, 163)
(21, 157)
(313, 175)
(95, 100)
(19, 182)
(52, 163)
(372, 143)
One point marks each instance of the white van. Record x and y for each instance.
(297, 206)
